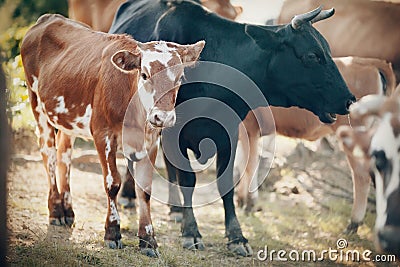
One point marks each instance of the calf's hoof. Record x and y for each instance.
(192, 243)
(112, 237)
(56, 213)
(113, 244)
(69, 221)
(352, 228)
(148, 246)
(150, 252)
(241, 249)
(176, 216)
(57, 221)
(69, 216)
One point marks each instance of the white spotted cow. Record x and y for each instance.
(99, 14)
(81, 82)
(378, 142)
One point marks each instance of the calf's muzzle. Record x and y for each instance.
(161, 119)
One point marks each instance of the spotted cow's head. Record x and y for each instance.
(162, 68)
(385, 167)
(380, 143)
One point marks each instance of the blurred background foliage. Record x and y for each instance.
(16, 16)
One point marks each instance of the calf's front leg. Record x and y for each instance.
(106, 146)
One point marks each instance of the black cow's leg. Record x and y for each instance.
(191, 237)
(237, 243)
(128, 193)
(174, 199)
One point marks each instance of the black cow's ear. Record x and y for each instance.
(125, 60)
(264, 38)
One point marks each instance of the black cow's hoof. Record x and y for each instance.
(352, 228)
(188, 243)
(149, 252)
(113, 244)
(176, 217)
(193, 243)
(240, 249)
(127, 203)
(57, 221)
(199, 244)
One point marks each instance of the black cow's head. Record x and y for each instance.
(301, 67)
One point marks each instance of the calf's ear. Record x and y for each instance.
(126, 61)
(190, 53)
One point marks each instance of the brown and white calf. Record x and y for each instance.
(377, 142)
(363, 76)
(84, 83)
(99, 15)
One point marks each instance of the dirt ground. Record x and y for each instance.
(304, 204)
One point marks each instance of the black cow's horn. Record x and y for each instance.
(323, 15)
(298, 20)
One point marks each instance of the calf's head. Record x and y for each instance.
(300, 70)
(162, 68)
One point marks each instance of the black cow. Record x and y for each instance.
(291, 64)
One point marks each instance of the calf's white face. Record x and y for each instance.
(162, 68)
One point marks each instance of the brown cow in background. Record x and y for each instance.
(359, 28)
(99, 14)
(363, 76)
(223, 8)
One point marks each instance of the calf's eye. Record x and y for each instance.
(144, 76)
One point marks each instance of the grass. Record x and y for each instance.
(283, 222)
(278, 227)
